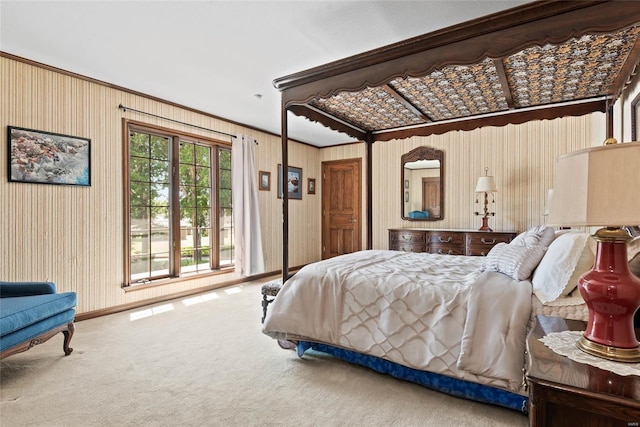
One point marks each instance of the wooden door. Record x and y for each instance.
(341, 207)
(431, 196)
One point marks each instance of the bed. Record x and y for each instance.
(394, 92)
(453, 323)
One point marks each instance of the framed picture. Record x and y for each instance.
(48, 158)
(294, 182)
(406, 183)
(311, 187)
(264, 181)
(406, 196)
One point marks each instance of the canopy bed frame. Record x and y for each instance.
(543, 60)
(415, 80)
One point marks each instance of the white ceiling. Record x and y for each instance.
(215, 56)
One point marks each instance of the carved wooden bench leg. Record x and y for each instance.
(68, 333)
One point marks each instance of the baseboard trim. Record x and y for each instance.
(119, 308)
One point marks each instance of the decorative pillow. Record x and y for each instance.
(540, 235)
(566, 259)
(517, 262)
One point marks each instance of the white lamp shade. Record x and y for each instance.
(486, 184)
(598, 186)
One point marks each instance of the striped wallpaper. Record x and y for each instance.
(74, 236)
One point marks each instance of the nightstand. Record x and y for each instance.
(567, 393)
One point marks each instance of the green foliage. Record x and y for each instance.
(150, 174)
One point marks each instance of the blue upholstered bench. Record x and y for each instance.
(31, 313)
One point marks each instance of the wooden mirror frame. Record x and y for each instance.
(422, 153)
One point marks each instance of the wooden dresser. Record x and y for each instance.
(450, 242)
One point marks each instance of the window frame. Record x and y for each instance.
(175, 136)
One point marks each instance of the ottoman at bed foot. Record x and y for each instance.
(269, 289)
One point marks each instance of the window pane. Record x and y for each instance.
(160, 264)
(139, 195)
(203, 237)
(187, 238)
(139, 144)
(203, 197)
(203, 259)
(187, 197)
(187, 217)
(226, 237)
(187, 174)
(160, 194)
(202, 176)
(159, 147)
(140, 218)
(159, 217)
(225, 159)
(140, 267)
(225, 198)
(203, 156)
(139, 169)
(159, 171)
(186, 153)
(160, 240)
(203, 218)
(140, 242)
(225, 179)
(187, 259)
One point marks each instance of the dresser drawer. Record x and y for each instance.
(450, 238)
(408, 247)
(488, 239)
(412, 237)
(446, 249)
(480, 243)
(477, 250)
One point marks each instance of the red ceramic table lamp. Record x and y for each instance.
(600, 186)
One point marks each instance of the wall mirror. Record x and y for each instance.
(422, 184)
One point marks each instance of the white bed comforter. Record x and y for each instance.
(430, 312)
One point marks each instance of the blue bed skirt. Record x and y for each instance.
(443, 383)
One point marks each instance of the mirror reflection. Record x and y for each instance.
(422, 185)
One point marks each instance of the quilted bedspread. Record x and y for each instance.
(431, 312)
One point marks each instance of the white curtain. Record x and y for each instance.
(246, 210)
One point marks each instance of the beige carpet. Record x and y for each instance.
(205, 362)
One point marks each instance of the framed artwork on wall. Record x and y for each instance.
(311, 187)
(41, 157)
(294, 182)
(264, 181)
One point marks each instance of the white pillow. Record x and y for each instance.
(540, 235)
(566, 259)
(517, 262)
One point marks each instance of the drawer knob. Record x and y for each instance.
(445, 241)
(407, 238)
(441, 252)
(486, 242)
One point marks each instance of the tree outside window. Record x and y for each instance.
(174, 189)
